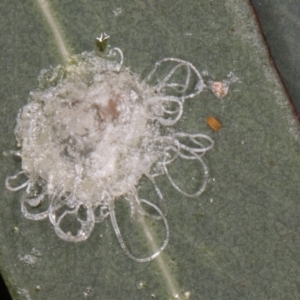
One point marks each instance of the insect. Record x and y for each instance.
(101, 41)
(214, 123)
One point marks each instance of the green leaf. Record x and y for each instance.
(240, 238)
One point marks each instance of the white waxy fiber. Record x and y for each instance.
(92, 130)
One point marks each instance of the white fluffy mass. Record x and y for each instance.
(90, 134)
(92, 130)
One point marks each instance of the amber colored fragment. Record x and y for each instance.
(214, 123)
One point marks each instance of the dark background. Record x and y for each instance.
(280, 25)
(4, 292)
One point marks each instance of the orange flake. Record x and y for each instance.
(214, 123)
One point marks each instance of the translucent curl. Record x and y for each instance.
(34, 202)
(113, 53)
(177, 87)
(14, 177)
(166, 121)
(200, 149)
(121, 241)
(195, 153)
(87, 225)
(133, 198)
(201, 187)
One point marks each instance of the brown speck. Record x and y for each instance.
(214, 123)
(112, 109)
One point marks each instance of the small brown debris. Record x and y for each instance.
(214, 123)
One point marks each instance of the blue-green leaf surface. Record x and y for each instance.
(240, 238)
